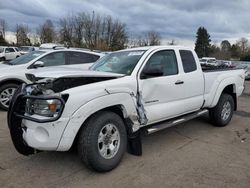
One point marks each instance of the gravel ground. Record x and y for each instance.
(193, 154)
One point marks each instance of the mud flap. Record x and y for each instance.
(15, 124)
(134, 136)
(134, 143)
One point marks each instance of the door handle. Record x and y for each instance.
(178, 82)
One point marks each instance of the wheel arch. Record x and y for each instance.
(117, 109)
(11, 81)
(228, 89)
(122, 104)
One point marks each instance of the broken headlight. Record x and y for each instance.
(44, 107)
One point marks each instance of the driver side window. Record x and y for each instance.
(9, 50)
(53, 59)
(162, 61)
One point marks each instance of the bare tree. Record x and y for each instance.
(22, 35)
(150, 38)
(93, 31)
(172, 42)
(78, 30)
(46, 32)
(118, 35)
(153, 38)
(66, 30)
(35, 39)
(3, 26)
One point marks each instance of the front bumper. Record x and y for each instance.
(29, 133)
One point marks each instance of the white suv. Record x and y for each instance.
(8, 53)
(12, 73)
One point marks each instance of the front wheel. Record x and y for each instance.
(102, 141)
(6, 93)
(2, 59)
(222, 113)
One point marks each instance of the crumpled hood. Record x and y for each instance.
(60, 78)
(59, 72)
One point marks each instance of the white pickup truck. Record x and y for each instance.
(104, 110)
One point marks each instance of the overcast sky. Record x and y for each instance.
(173, 19)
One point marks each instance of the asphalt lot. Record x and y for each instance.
(193, 154)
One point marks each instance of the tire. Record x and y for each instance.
(17, 56)
(2, 59)
(6, 93)
(222, 113)
(94, 136)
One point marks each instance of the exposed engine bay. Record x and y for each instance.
(63, 83)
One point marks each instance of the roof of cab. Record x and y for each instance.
(155, 47)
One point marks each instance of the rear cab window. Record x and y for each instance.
(188, 61)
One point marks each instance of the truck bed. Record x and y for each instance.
(215, 76)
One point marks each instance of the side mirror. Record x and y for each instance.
(38, 64)
(152, 71)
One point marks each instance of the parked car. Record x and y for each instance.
(103, 110)
(246, 67)
(51, 46)
(8, 53)
(26, 49)
(13, 72)
(209, 61)
(247, 73)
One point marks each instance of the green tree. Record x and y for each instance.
(225, 46)
(202, 44)
(235, 51)
(225, 49)
(215, 51)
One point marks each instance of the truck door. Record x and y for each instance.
(162, 87)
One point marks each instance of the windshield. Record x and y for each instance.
(26, 58)
(25, 49)
(1, 50)
(119, 62)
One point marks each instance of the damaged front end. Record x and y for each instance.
(41, 102)
(34, 102)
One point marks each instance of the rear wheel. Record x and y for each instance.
(102, 141)
(6, 93)
(222, 113)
